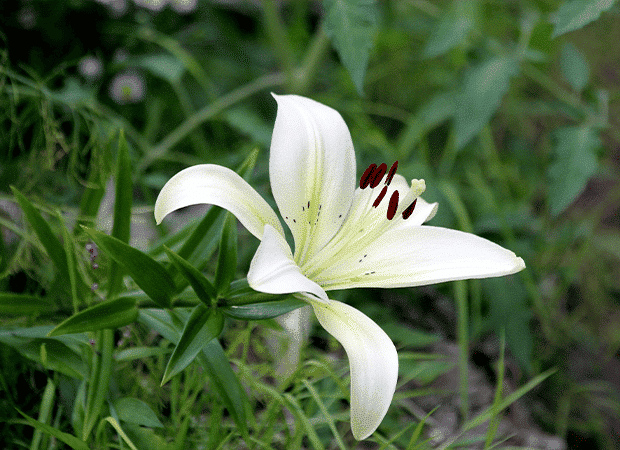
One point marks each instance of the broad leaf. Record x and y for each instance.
(508, 310)
(574, 67)
(574, 162)
(203, 325)
(150, 275)
(351, 24)
(132, 410)
(112, 314)
(200, 284)
(480, 95)
(575, 14)
(452, 28)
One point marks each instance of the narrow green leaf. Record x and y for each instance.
(23, 304)
(266, 310)
(213, 360)
(136, 411)
(351, 25)
(111, 314)
(99, 380)
(148, 274)
(65, 438)
(203, 325)
(92, 196)
(575, 14)
(494, 409)
(452, 28)
(112, 421)
(45, 410)
(480, 95)
(574, 67)
(200, 284)
(122, 210)
(51, 243)
(227, 258)
(574, 162)
(72, 267)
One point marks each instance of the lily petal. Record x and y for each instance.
(273, 270)
(417, 256)
(312, 171)
(373, 363)
(217, 185)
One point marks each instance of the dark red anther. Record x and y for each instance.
(366, 177)
(393, 205)
(407, 212)
(380, 197)
(388, 180)
(378, 175)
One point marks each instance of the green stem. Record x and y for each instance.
(279, 39)
(312, 61)
(460, 288)
(207, 113)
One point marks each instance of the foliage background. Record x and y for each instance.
(508, 110)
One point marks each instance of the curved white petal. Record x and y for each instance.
(217, 185)
(312, 170)
(372, 359)
(273, 270)
(417, 256)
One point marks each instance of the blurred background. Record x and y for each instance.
(508, 110)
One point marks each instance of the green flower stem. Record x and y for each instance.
(312, 61)
(207, 113)
(279, 39)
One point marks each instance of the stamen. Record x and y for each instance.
(393, 205)
(378, 175)
(407, 212)
(380, 197)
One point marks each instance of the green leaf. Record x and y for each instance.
(122, 209)
(151, 276)
(213, 360)
(575, 14)
(65, 438)
(98, 380)
(227, 257)
(351, 25)
(452, 28)
(574, 67)
(162, 65)
(59, 353)
(51, 243)
(203, 325)
(266, 310)
(248, 122)
(508, 310)
(437, 110)
(112, 314)
(117, 426)
(409, 336)
(574, 162)
(200, 284)
(135, 411)
(23, 305)
(480, 95)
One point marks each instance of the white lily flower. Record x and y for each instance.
(341, 240)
